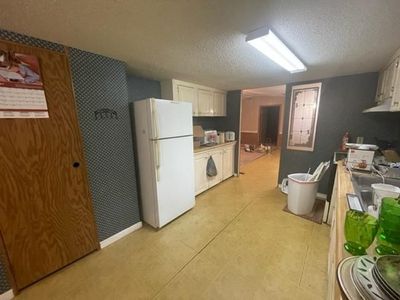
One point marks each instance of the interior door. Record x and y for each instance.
(46, 217)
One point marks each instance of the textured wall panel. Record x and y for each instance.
(4, 285)
(100, 83)
(27, 40)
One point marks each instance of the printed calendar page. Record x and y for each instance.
(21, 87)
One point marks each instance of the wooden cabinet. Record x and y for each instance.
(223, 156)
(206, 101)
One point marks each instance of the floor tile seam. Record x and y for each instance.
(304, 265)
(201, 250)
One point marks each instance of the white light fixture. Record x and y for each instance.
(265, 41)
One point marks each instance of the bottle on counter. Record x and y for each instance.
(345, 140)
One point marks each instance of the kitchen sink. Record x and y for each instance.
(362, 186)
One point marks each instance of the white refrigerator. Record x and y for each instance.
(164, 138)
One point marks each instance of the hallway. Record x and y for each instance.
(237, 243)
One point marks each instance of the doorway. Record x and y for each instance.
(269, 125)
(262, 115)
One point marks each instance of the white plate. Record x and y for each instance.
(344, 276)
(362, 269)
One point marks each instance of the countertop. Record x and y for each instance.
(208, 148)
(343, 187)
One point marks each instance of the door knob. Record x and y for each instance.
(76, 164)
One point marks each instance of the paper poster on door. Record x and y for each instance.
(21, 87)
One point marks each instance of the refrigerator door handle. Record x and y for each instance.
(157, 159)
(155, 119)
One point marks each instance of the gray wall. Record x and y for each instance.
(100, 82)
(141, 88)
(341, 104)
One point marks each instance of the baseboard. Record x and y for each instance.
(119, 235)
(7, 295)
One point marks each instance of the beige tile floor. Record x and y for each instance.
(237, 243)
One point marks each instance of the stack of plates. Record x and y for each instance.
(386, 274)
(368, 277)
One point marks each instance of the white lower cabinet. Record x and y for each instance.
(228, 162)
(200, 168)
(223, 157)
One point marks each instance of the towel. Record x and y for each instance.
(211, 168)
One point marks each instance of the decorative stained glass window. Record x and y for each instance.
(303, 117)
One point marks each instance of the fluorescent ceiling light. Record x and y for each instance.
(265, 41)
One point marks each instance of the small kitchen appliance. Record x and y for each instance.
(360, 159)
(210, 137)
(229, 136)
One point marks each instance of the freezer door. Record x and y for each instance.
(170, 119)
(175, 177)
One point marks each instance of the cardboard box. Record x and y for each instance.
(360, 159)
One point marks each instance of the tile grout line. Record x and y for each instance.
(305, 259)
(201, 250)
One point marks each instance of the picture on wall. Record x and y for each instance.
(304, 104)
(21, 87)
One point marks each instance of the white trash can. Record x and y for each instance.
(301, 193)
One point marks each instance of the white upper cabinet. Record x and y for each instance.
(219, 102)
(389, 84)
(188, 94)
(206, 101)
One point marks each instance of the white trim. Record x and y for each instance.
(249, 131)
(119, 235)
(7, 295)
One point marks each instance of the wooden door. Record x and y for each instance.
(46, 216)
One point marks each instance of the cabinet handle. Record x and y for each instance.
(395, 103)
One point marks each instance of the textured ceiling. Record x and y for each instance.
(203, 40)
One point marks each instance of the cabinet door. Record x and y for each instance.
(395, 106)
(379, 89)
(200, 173)
(389, 80)
(219, 104)
(187, 93)
(205, 98)
(217, 157)
(227, 162)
